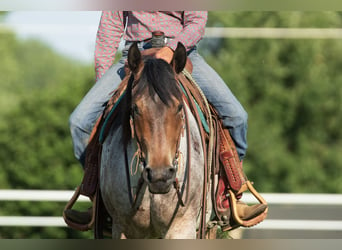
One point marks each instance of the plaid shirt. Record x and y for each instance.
(184, 26)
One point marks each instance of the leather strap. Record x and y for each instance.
(230, 161)
(186, 83)
(101, 215)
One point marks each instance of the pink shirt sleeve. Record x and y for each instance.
(193, 31)
(108, 38)
(111, 29)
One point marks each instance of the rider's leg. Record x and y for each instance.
(84, 117)
(230, 111)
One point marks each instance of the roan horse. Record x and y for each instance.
(146, 185)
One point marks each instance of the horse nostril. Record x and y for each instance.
(172, 172)
(159, 174)
(149, 173)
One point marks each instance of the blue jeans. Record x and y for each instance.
(84, 117)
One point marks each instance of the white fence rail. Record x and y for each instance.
(226, 32)
(274, 33)
(37, 195)
(273, 199)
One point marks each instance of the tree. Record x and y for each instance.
(292, 92)
(39, 90)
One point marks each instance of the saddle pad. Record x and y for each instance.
(108, 118)
(203, 120)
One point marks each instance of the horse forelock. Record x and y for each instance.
(158, 78)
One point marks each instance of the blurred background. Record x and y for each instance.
(284, 67)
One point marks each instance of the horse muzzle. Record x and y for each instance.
(159, 179)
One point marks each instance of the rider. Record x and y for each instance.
(186, 27)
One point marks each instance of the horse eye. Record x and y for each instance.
(135, 110)
(180, 108)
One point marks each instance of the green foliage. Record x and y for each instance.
(39, 90)
(292, 91)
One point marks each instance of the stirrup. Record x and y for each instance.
(70, 204)
(233, 201)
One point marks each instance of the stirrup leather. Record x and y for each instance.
(237, 180)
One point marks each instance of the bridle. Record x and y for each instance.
(175, 162)
(142, 160)
(185, 187)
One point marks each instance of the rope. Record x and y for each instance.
(210, 151)
(211, 135)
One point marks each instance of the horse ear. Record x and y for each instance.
(179, 58)
(134, 57)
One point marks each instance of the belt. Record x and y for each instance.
(166, 40)
(148, 42)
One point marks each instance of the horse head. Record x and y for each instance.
(156, 115)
